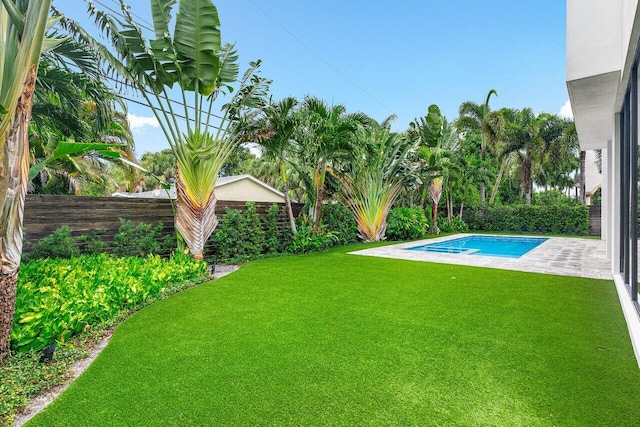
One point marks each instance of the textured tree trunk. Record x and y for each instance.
(14, 178)
(527, 183)
(461, 208)
(434, 216)
(583, 178)
(194, 222)
(320, 193)
(494, 192)
(287, 200)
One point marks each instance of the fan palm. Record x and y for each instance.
(193, 59)
(22, 33)
(372, 186)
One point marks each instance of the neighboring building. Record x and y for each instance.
(238, 188)
(602, 78)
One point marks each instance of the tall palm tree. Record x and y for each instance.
(429, 134)
(22, 38)
(275, 132)
(194, 62)
(327, 136)
(480, 118)
(523, 138)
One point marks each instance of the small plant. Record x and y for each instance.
(136, 240)
(406, 224)
(339, 220)
(308, 240)
(92, 243)
(447, 225)
(277, 239)
(59, 244)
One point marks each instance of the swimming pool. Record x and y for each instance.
(502, 246)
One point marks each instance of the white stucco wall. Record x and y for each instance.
(593, 37)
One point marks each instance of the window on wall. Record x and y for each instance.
(629, 187)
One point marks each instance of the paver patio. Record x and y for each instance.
(558, 255)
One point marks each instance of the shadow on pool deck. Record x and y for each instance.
(558, 255)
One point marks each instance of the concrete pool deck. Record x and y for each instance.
(558, 255)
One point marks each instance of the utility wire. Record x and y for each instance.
(330, 65)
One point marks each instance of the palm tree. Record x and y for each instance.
(193, 59)
(372, 185)
(523, 138)
(275, 132)
(22, 31)
(327, 136)
(429, 134)
(480, 118)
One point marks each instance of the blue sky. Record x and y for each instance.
(382, 58)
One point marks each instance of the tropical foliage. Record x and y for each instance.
(22, 32)
(192, 59)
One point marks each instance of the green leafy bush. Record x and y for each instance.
(339, 220)
(455, 224)
(277, 239)
(556, 219)
(57, 298)
(307, 240)
(92, 243)
(244, 235)
(59, 244)
(136, 240)
(406, 224)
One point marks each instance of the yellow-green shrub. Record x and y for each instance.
(58, 298)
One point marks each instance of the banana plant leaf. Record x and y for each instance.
(65, 148)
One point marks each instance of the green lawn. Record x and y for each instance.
(337, 339)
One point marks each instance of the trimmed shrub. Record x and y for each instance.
(59, 244)
(453, 225)
(57, 298)
(406, 224)
(136, 240)
(277, 239)
(339, 220)
(557, 219)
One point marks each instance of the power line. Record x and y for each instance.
(296, 38)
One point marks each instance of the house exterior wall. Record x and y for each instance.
(602, 46)
(247, 190)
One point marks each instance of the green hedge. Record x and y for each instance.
(573, 220)
(57, 298)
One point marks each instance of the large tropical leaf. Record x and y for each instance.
(65, 149)
(197, 42)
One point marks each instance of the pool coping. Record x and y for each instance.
(565, 256)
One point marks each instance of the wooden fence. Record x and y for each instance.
(43, 214)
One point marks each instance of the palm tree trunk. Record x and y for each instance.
(461, 208)
(287, 200)
(527, 183)
(434, 216)
(14, 178)
(494, 192)
(194, 222)
(320, 193)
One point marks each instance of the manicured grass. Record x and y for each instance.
(337, 339)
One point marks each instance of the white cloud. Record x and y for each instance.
(566, 111)
(137, 123)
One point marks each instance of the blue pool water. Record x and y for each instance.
(509, 247)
